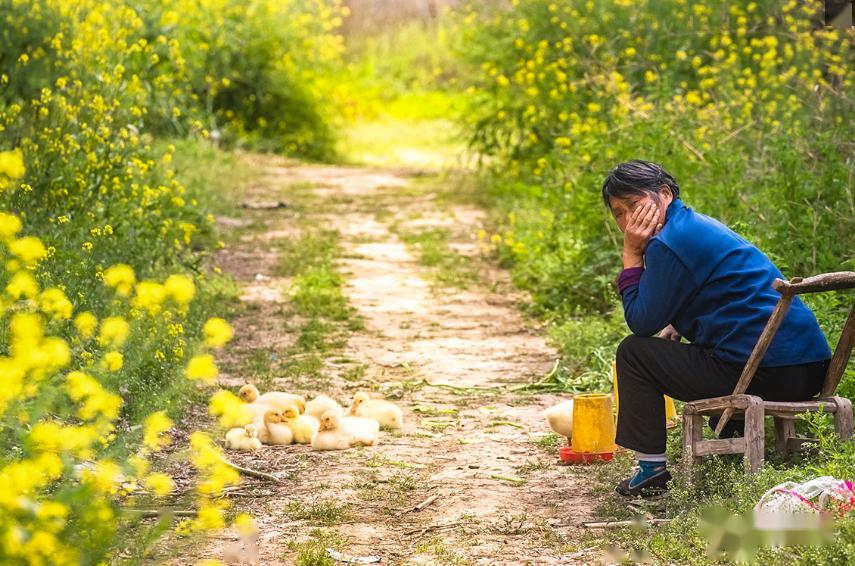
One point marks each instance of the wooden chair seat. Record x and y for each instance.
(754, 409)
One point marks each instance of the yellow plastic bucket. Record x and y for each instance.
(593, 423)
(670, 409)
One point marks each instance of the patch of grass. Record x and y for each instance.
(450, 268)
(313, 552)
(316, 292)
(437, 548)
(532, 466)
(311, 250)
(316, 297)
(355, 373)
(433, 411)
(549, 442)
(317, 509)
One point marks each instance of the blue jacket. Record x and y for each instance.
(715, 288)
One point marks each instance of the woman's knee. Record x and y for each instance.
(627, 349)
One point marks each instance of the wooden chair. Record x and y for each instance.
(755, 409)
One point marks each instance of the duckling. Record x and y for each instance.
(302, 426)
(362, 431)
(256, 410)
(272, 428)
(245, 438)
(330, 435)
(320, 405)
(560, 418)
(384, 412)
(277, 399)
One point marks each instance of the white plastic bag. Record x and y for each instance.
(790, 505)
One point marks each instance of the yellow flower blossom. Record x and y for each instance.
(22, 284)
(202, 367)
(113, 361)
(54, 302)
(159, 483)
(149, 296)
(10, 225)
(154, 427)
(180, 288)
(86, 323)
(95, 401)
(11, 167)
(114, 332)
(120, 277)
(229, 409)
(217, 332)
(29, 249)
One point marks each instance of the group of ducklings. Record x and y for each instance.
(279, 418)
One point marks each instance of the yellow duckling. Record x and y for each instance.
(302, 426)
(362, 431)
(256, 411)
(320, 405)
(330, 435)
(249, 394)
(245, 438)
(560, 418)
(384, 412)
(272, 428)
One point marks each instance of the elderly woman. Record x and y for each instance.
(688, 275)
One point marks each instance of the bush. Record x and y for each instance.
(747, 105)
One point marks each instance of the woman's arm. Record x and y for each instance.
(653, 296)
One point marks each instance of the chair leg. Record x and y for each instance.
(843, 418)
(784, 429)
(693, 432)
(754, 435)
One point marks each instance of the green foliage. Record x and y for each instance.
(747, 105)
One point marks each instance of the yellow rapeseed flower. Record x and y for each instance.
(29, 249)
(104, 477)
(86, 323)
(153, 428)
(22, 284)
(159, 483)
(54, 302)
(114, 331)
(11, 167)
(217, 332)
(149, 296)
(121, 277)
(229, 409)
(10, 225)
(180, 288)
(113, 361)
(95, 400)
(202, 367)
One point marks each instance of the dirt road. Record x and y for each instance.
(440, 335)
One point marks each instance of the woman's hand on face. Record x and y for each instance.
(642, 225)
(670, 333)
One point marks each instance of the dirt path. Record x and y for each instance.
(448, 356)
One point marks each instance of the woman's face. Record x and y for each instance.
(622, 208)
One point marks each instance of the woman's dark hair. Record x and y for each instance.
(637, 177)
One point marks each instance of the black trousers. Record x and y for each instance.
(648, 368)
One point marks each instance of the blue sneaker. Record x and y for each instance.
(649, 480)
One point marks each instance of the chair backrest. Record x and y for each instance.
(820, 283)
(788, 290)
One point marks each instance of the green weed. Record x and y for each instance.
(449, 267)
